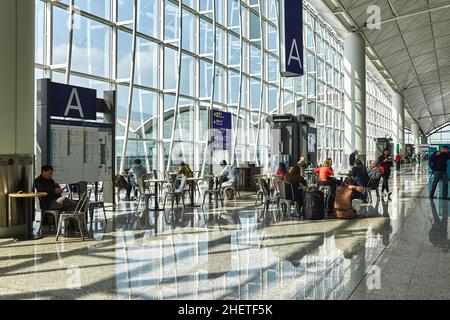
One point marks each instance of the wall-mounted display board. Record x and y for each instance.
(75, 133)
(81, 151)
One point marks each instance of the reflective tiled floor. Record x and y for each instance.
(399, 250)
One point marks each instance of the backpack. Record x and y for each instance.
(120, 182)
(432, 162)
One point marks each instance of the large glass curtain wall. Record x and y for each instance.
(378, 113)
(442, 136)
(189, 57)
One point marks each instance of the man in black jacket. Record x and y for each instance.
(54, 199)
(438, 163)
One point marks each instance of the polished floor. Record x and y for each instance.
(398, 250)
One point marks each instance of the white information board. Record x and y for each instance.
(80, 151)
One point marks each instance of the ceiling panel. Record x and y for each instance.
(414, 47)
(407, 6)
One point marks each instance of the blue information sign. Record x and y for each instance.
(221, 124)
(291, 38)
(72, 102)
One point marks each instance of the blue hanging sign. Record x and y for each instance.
(221, 125)
(72, 102)
(291, 38)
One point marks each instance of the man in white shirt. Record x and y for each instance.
(229, 173)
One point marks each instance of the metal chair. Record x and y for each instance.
(78, 188)
(267, 198)
(215, 191)
(79, 215)
(287, 196)
(326, 190)
(143, 195)
(176, 193)
(259, 192)
(97, 204)
(234, 188)
(373, 185)
(119, 189)
(47, 212)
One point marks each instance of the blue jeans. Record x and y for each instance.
(440, 175)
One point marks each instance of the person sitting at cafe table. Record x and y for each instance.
(229, 174)
(136, 171)
(281, 172)
(325, 172)
(303, 165)
(294, 176)
(54, 199)
(359, 174)
(185, 170)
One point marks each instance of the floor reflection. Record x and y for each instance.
(234, 252)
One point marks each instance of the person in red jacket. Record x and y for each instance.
(325, 171)
(326, 177)
(398, 161)
(281, 172)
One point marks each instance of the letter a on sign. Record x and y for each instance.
(291, 38)
(71, 106)
(294, 49)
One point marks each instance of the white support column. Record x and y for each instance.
(355, 96)
(17, 77)
(398, 113)
(415, 132)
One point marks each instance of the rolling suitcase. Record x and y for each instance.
(313, 204)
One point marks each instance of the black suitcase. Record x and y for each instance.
(313, 204)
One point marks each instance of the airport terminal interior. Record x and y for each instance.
(224, 149)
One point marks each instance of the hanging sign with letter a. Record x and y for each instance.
(291, 38)
(72, 102)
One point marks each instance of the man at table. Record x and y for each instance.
(136, 171)
(229, 173)
(54, 199)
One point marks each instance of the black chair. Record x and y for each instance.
(267, 198)
(373, 185)
(288, 197)
(328, 202)
(97, 204)
(176, 192)
(259, 192)
(215, 192)
(143, 195)
(46, 213)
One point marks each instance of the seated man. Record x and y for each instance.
(229, 173)
(54, 199)
(136, 171)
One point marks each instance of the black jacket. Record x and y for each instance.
(359, 174)
(43, 185)
(439, 161)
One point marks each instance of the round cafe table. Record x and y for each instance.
(29, 214)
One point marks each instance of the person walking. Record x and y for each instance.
(398, 161)
(438, 165)
(385, 160)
